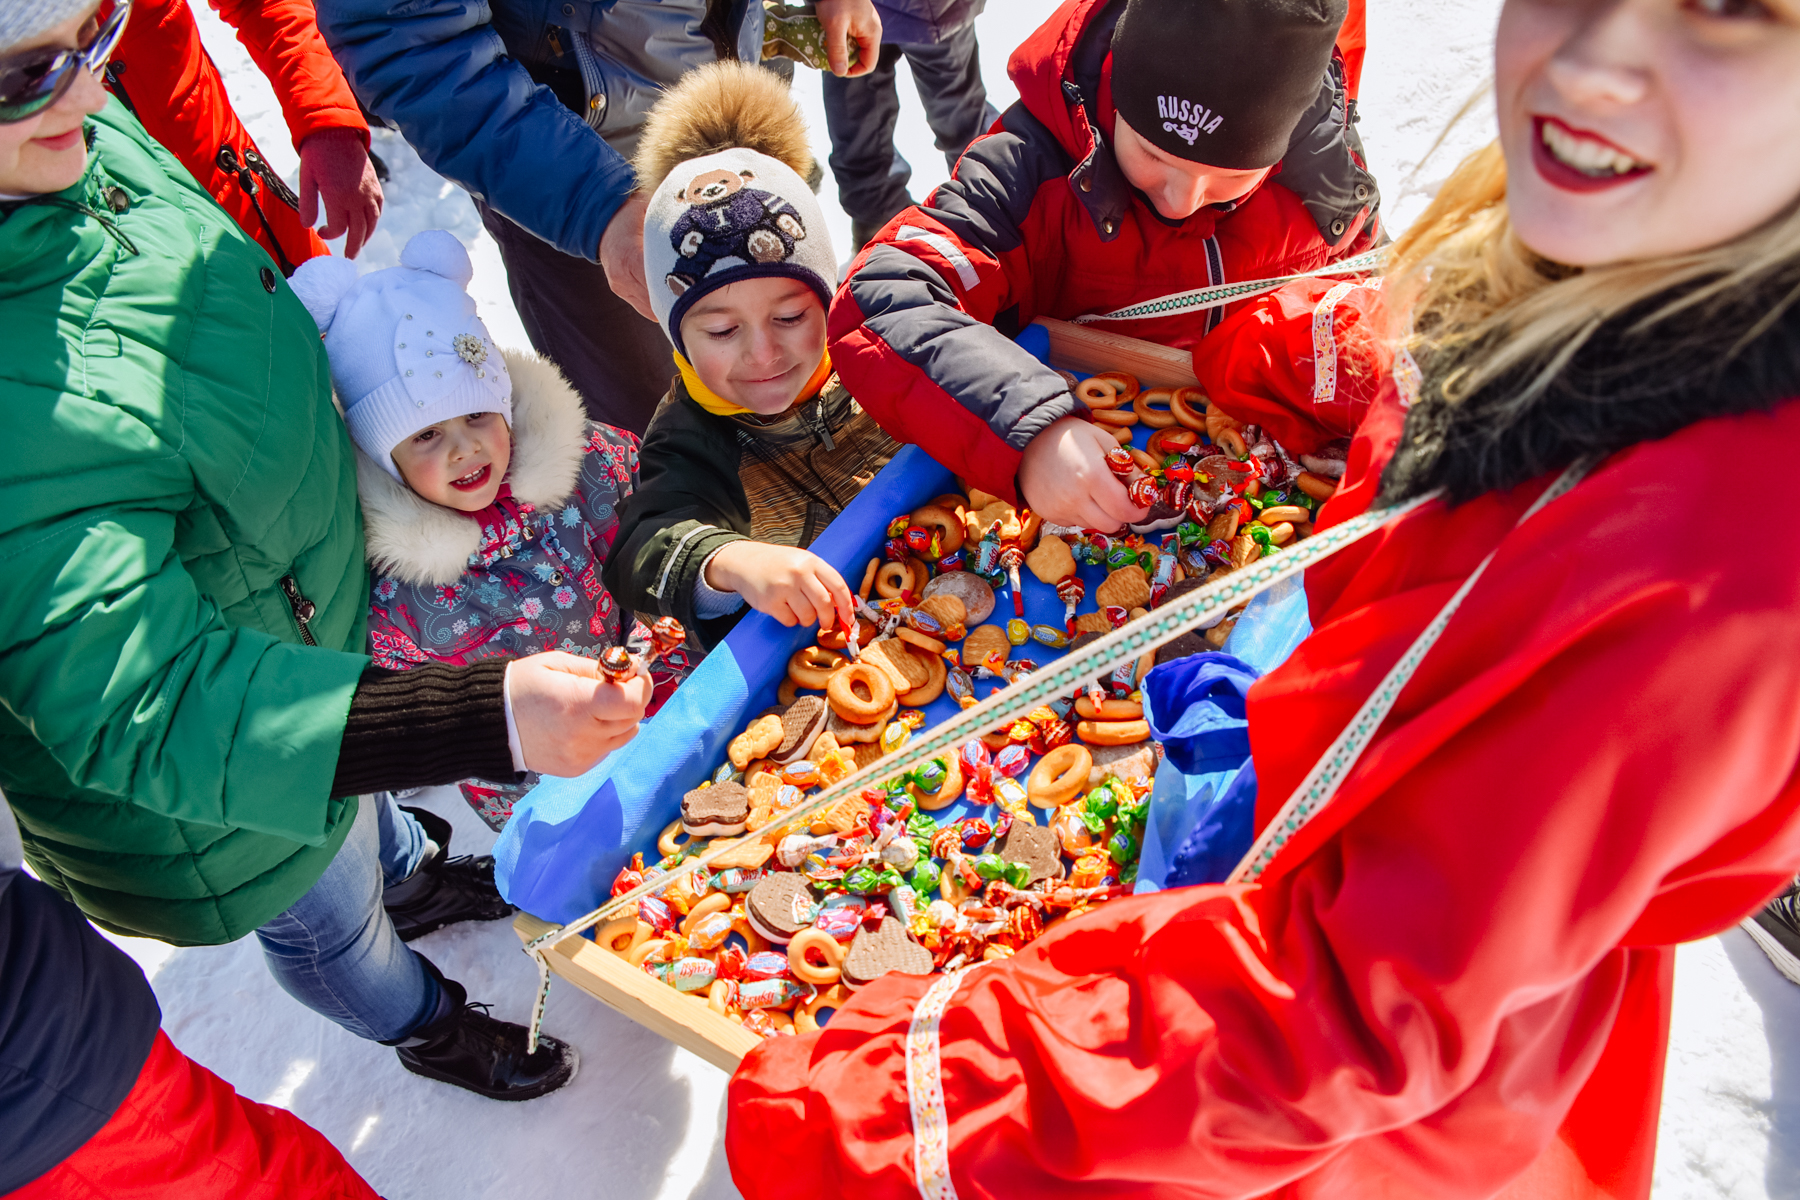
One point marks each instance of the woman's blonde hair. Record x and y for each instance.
(1472, 284)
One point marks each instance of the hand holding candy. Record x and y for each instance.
(796, 587)
(569, 713)
(1065, 479)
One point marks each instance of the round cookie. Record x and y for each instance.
(970, 588)
(983, 642)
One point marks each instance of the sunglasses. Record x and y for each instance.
(33, 80)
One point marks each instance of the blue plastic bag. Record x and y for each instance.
(1203, 806)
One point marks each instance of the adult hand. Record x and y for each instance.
(1065, 479)
(622, 253)
(796, 587)
(335, 168)
(570, 716)
(846, 21)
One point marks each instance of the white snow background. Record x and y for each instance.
(644, 1119)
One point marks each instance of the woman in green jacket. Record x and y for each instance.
(187, 717)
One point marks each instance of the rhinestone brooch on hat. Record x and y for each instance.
(470, 349)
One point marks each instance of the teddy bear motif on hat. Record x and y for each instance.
(727, 218)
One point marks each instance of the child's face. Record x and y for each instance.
(1178, 188)
(458, 463)
(757, 342)
(1638, 129)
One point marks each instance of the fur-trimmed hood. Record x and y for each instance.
(417, 542)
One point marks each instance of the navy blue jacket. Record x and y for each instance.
(532, 105)
(915, 22)
(77, 1021)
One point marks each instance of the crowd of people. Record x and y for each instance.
(287, 540)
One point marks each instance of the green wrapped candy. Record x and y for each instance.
(1122, 847)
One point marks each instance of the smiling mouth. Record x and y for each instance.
(1580, 162)
(472, 480)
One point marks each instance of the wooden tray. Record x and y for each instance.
(685, 1019)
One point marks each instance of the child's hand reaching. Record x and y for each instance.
(796, 587)
(1064, 478)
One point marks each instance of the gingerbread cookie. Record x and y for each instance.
(904, 670)
(1051, 562)
(717, 810)
(1094, 622)
(764, 734)
(889, 948)
(1036, 846)
(985, 642)
(1127, 587)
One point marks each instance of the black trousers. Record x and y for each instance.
(620, 363)
(861, 114)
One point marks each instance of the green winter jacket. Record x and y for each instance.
(171, 458)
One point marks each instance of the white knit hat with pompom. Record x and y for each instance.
(406, 347)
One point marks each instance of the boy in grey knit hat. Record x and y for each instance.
(757, 446)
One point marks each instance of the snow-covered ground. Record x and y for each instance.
(644, 1119)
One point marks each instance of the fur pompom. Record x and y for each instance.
(322, 283)
(721, 106)
(439, 252)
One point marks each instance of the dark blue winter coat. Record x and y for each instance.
(912, 22)
(470, 86)
(77, 1020)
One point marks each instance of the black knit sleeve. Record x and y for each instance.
(433, 724)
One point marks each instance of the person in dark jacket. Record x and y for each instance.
(535, 107)
(95, 1099)
(756, 446)
(1157, 146)
(190, 731)
(937, 40)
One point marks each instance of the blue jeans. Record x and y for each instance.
(861, 114)
(335, 950)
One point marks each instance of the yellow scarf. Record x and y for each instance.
(713, 403)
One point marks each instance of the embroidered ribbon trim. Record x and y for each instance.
(1227, 293)
(925, 1090)
(1325, 344)
(1323, 781)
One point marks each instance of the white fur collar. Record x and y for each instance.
(418, 542)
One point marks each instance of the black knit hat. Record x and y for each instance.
(1221, 82)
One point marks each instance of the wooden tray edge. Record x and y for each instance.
(1079, 348)
(681, 1018)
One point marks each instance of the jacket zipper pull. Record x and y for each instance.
(824, 426)
(303, 609)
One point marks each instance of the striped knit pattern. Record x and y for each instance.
(795, 486)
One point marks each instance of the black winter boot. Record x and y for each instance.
(443, 890)
(1777, 930)
(466, 1047)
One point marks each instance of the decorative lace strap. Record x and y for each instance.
(1222, 294)
(1323, 781)
(925, 1090)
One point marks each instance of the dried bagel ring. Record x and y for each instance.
(666, 842)
(933, 687)
(1096, 393)
(841, 693)
(1112, 733)
(814, 666)
(1149, 414)
(1165, 442)
(623, 934)
(806, 1017)
(638, 954)
(868, 580)
(1116, 417)
(1143, 460)
(1183, 404)
(1059, 775)
(1122, 382)
(930, 516)
(706, 906)
(828, 947)
(892, 579)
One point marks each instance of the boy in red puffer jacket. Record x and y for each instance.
(1157, 146)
